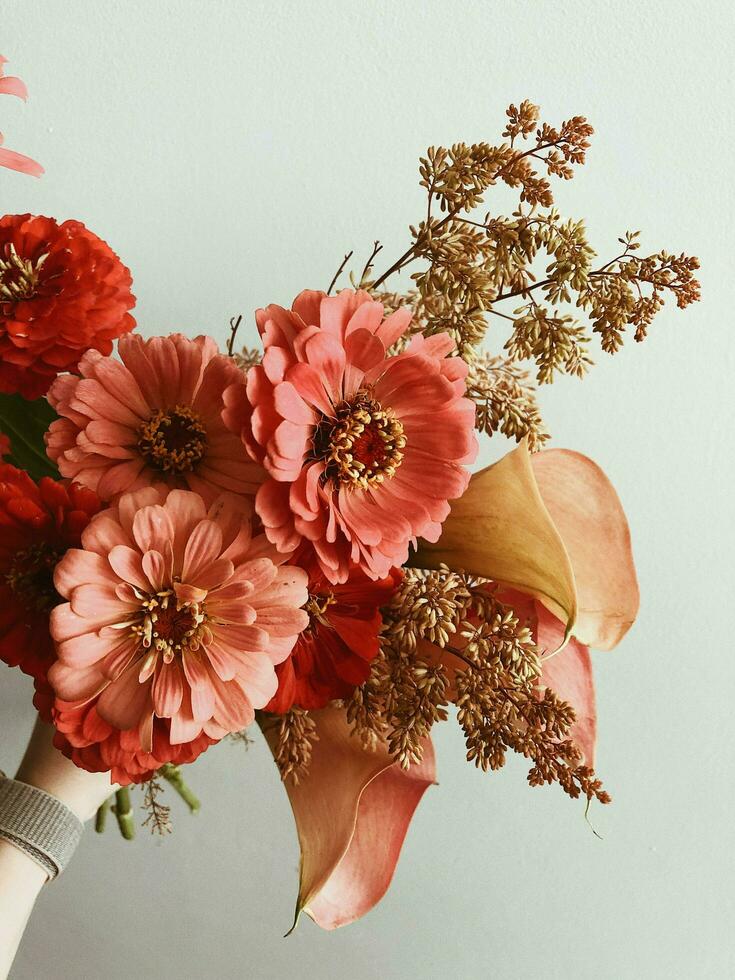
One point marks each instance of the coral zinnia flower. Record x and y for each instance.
(333, 655)
(62, 291)
(363, 449)
(38, 522)
(154, 418)
(175, 612)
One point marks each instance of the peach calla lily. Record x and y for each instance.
(550, 530)
(352, 812)
(551, 526)
(590, 519)
(568, 562)
(501, 529)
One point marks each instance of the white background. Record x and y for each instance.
(231, 152)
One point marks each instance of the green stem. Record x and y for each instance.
(101, 819)
(172, 775)
(123, 810)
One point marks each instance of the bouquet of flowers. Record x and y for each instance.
(194, 540)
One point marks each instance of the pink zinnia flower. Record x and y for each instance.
(363, 449)
(155, 417)
(174, 612)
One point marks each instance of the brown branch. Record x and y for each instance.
(338, 273)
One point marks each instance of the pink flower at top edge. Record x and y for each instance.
(363, 449)
(154, 418)
(174, 612)
(10, 85)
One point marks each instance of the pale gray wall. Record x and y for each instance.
(231, 152)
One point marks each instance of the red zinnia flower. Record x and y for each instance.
(38, 523)
(62, 291)
(93, 744)
(333, 654)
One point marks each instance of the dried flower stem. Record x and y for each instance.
(234, 327)
(339, 272)
(158, 818)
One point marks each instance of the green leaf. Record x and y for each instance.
(25, 422)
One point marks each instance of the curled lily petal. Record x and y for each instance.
(501, 529)
(588, 514)
(352, 812)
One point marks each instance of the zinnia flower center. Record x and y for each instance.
(362, 444)
(31, 577)
(173, 441)
(19, 277)
(169, 626)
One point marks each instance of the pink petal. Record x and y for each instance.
(590, 519)
(257, 676)
(155, 570)
(123, 702)
(152, 529)
(74, 683)
(352, 813)
(363, 351)
(308, 383)
(186, 510)
(78, 567)
(10, 85)
(98, 603)
(367, 317)
(168, 689)
(224, 660)
(127, 563)
(120, 478)
(307, 305)
(184, 727)
(202, 549)
(393, 327)
(569, 674)
(202, 691)
(242, 637)
(17, 161)
(121, 384)
(291, 405)
(327, 355)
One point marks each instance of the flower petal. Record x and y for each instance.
(589, 516)
(352, 813)
(569, 674)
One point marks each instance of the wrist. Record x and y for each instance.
(44, 767)
(38, 824)
(16, 866)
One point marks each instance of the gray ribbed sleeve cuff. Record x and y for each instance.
(38, 824)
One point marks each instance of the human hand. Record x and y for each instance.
(45, 767)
